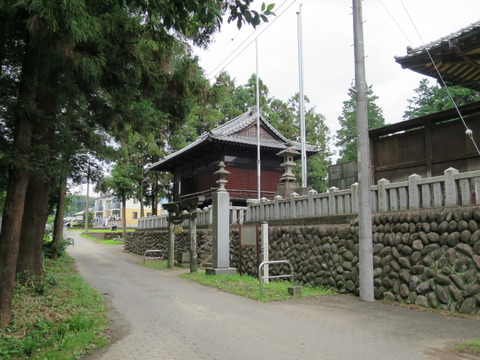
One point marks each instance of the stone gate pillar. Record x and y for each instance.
(221, 227)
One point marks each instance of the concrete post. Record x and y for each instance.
(382, 195)
(413, 191)
(221, 228)
(171, 246)
(332, 203)
(365, 251)
(276, 207)
(354, 188)
(311, 202)
(451, 192)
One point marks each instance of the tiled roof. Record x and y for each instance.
(440, 42)
(225, 133)
(456, 57)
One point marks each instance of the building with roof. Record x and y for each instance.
(234, 143)
(456, 57)
(108, 209)
(430, 144)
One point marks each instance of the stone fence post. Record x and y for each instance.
(382, 195)
(413, 191)
(451, 191)
(332, 204)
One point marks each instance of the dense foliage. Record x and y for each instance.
(429, 99)
(347, 134)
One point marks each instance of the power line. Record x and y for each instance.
(222, 64)
(468, 131)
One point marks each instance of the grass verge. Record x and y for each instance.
(249, 287)
(106, 242)
(157, 264)
(62, 318)
(470, 347)
(119, 230)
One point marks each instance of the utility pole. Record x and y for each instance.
(363, 159)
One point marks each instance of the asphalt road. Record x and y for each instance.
(157, 315)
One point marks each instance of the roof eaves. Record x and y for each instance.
(437, 43)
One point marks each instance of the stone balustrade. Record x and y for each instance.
(451, 189)
(204, 218)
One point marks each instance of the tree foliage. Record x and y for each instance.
(80, 74)
(429, 99)
(227, 100)
(346, 137)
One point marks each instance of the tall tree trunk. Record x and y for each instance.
(154, 198)
(58, 224)
(124, 217)
(17, 183)
(30, 259)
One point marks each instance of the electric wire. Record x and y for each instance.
(214, 72)
(468, 131)
(222, 64)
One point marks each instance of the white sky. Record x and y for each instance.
(328, 52)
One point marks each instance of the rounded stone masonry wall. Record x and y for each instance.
(428, 257)
(140, 241)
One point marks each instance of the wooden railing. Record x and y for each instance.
(452, 188)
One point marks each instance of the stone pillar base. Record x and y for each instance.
(221, 271)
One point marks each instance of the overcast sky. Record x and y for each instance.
(328, 51)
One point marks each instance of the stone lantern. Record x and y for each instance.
(222, 173)
(288, 181)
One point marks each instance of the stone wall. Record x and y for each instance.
(426, 257)
(105, 235)
(140, 241)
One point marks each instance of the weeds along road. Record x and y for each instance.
(161, 316)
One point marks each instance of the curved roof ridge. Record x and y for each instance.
(429, 46)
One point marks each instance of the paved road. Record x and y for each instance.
(161, 316)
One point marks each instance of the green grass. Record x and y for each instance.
(63, 318)
(107, 242)
(249, 287)
(158, 264)
(119, 230)
(471, 347)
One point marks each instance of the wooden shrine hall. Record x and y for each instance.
(234, 143)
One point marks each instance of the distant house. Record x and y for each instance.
(109, 208)
(234, 143)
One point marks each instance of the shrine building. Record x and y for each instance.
(234, 143)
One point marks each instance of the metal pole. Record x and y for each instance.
(85, 214)
(264, 232)
(259, 169)
(171, 245)
(303, 154)
(363, 159)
